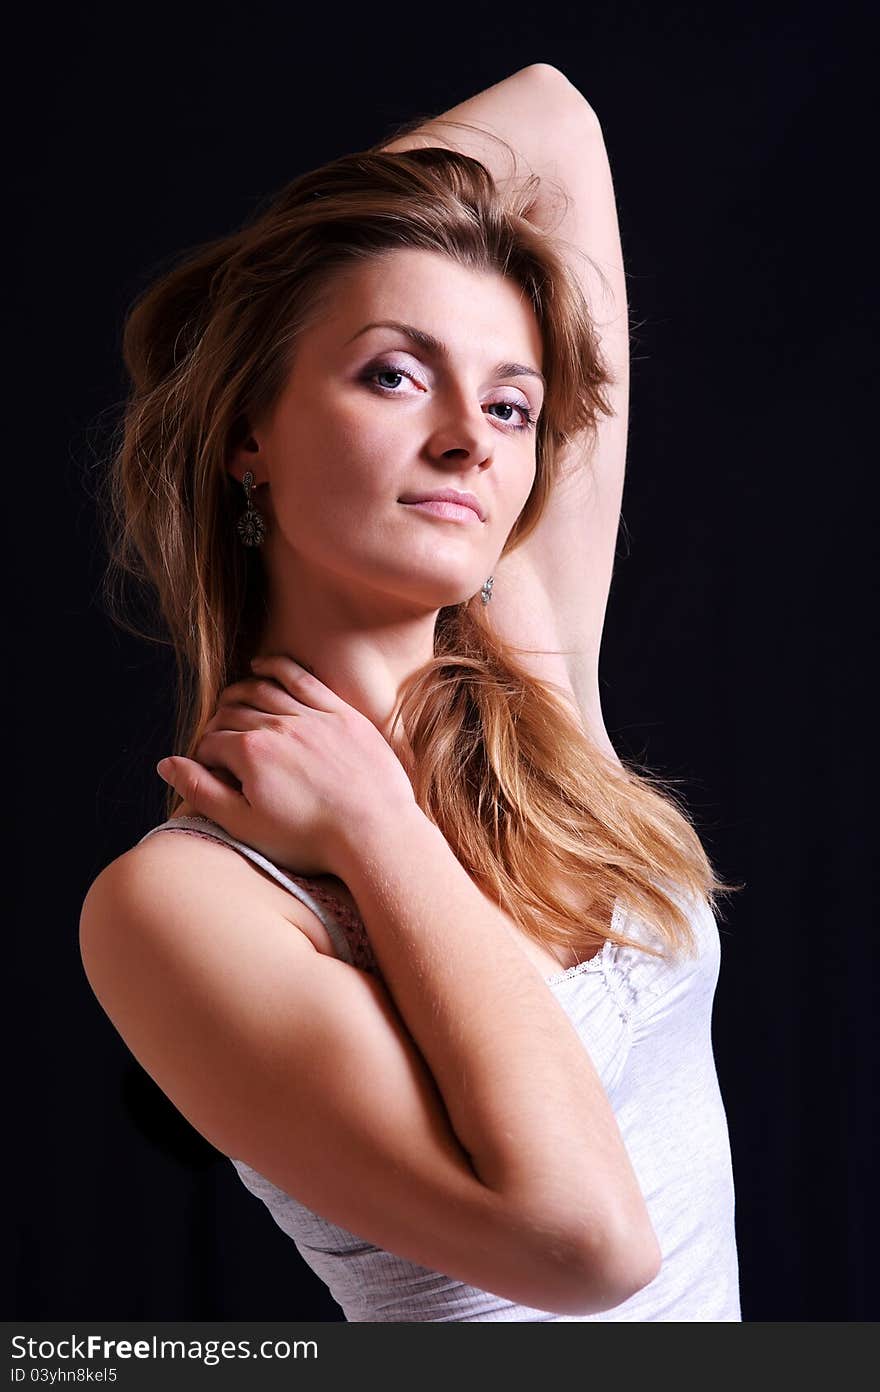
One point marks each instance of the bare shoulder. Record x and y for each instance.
(176, 860)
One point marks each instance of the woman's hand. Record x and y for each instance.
(309, 766)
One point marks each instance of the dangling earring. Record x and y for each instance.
(486, 591)
(251, 524)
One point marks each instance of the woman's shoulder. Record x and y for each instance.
(187, 849)
(197, 848)
(322, 906)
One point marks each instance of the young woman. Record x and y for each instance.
(426, 960)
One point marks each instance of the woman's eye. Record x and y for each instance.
(390, 372)
(525, 414)
(373, 373)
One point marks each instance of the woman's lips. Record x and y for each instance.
(454, 512)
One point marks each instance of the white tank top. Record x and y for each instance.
(646, 1024)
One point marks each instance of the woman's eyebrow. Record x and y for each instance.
(434, 345)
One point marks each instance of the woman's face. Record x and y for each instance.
(369, 416)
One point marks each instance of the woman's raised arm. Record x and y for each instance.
(552, 592)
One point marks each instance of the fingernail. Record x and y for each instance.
(165, 768)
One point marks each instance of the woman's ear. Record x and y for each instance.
(245, 452)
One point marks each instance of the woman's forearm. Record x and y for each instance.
(520, 1090)
(535, 110)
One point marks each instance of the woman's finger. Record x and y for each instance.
(205, 792)
(300, 684)
(240, 716)
(261, 694)
(226, 750)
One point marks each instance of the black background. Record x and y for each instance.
(738, 632)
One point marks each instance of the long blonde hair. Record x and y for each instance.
(550, 827)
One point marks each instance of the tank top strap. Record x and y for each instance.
(204, 826)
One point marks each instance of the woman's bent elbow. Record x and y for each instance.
(606, 1272)
(617, 1270)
